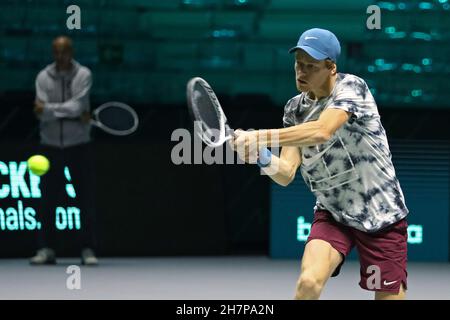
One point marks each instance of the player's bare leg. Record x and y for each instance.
(391, 296)
(319, 261)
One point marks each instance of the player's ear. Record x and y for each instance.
(331, 65)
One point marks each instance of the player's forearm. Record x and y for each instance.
(305, 134)
(76, 105)
(280, 171)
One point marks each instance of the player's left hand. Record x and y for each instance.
(85, 117)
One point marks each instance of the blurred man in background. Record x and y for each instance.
(62, 106)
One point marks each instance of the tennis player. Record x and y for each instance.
(333, 133)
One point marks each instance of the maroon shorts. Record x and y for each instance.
(382, 255)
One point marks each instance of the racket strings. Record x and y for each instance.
(206, 110)
(116, 118)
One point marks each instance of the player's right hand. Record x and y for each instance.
(38, 107)
(246, 145)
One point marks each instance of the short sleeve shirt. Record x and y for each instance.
(352, 174)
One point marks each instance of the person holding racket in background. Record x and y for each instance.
(333, 133)
(63, 108)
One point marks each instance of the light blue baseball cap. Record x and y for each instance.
(320, 44)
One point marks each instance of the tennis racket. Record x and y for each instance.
(115, 118)
(204, 108)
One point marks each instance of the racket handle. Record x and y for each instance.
(229, 133)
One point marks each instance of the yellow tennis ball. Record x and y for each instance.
(38, 164)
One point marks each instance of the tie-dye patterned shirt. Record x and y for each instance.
(352, 174)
